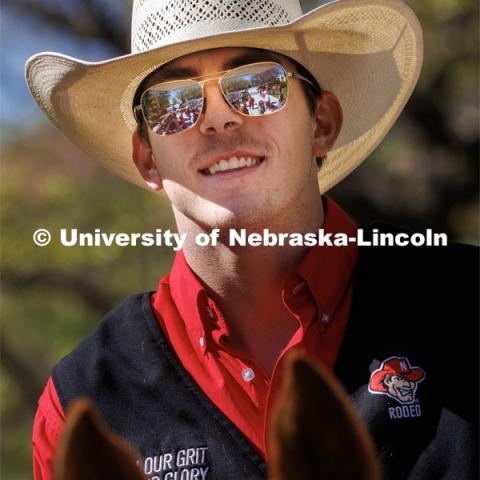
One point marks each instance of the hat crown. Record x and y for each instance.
(156, 23)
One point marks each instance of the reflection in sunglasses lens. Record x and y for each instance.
(171, 110)
(257, 89)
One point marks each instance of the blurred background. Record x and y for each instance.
(424, 175)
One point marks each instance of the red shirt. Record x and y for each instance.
(318, 295)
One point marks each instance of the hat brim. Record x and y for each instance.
(369, 53)
(376, 381)
(415, 375)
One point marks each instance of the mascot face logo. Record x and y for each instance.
(396, 379)
(403, 390)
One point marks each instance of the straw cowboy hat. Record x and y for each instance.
(367, 52)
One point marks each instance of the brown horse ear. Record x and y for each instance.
(314, 432)
(88, 450)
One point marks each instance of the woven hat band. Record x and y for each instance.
(156, 23)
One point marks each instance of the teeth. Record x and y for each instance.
(223, 165)
(232, 163)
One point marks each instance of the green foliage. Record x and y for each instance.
(52, 297)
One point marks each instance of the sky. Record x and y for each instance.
(21, 37)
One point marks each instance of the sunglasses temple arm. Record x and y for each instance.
(301, 77)
(138, 113)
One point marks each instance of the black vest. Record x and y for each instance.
(416, 304)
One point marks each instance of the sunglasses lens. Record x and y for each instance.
(172, 109)
(257, 89)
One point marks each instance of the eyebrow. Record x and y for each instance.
(170, 73)
(176, 73)
(250, 57)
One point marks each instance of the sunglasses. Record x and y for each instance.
(252, 90)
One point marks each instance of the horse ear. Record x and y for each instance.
(88, 450)
(314, 431)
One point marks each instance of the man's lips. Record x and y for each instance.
(231, 162)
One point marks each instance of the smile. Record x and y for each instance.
(232, 163)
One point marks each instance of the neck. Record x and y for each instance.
(236, 277)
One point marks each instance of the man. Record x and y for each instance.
(188, 374)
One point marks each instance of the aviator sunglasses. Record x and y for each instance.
(252, 90)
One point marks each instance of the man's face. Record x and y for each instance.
(399, 387)
(282, 180)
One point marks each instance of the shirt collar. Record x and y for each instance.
(190, 296)
(328, 270)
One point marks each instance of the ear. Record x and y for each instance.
(143, 158)
(88, 450)
(328, 120)
(313, 430)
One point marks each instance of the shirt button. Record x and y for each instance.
(298, 287)
(325, 318)
(202, 341)
(247, 374)
(211, 313)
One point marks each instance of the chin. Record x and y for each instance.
(225, 218)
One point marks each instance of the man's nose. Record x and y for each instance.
(218, 117)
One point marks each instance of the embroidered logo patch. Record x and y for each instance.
(397, 379)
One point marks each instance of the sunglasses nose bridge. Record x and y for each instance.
(217, 115)
(206, 83)
(213, 84)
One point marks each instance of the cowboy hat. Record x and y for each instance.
(367, 52)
